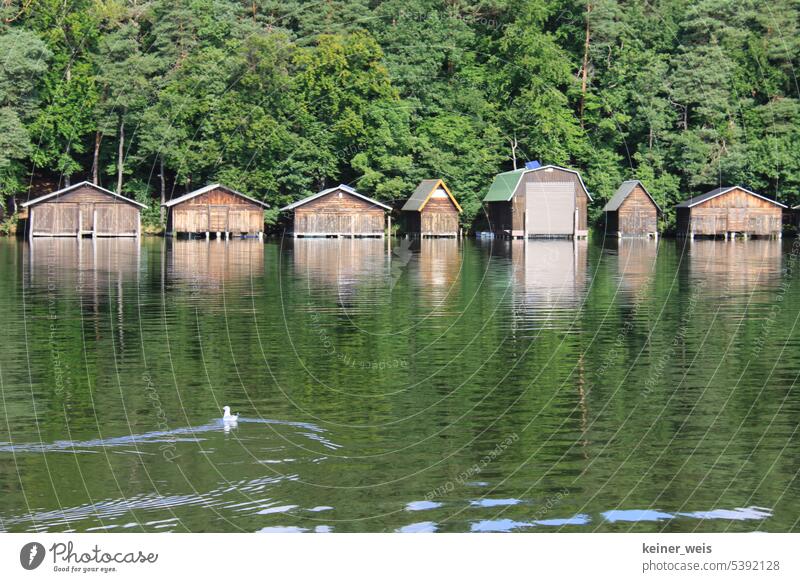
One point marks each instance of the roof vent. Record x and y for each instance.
(532, 165)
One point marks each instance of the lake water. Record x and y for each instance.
(441, 385)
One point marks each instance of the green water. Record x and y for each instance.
(440, 386)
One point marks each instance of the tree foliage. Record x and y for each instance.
(281, 99)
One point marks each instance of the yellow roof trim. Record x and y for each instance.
(446, 189)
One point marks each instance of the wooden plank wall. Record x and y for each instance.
(734, 211)
(637, 215)
(65, 214)
(439, 217)
(217, 211)
(339, 213)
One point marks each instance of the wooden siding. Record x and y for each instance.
(637, 215)
(84, 209)
(216, 211)
(508, 218)
(735, 211)
(439, 217)
(338, 213)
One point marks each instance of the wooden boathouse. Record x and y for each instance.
(215, 209)
(337, 212)
(729, 211)
(538, 201)
(632, 211)
(432, 210)
(83, 209)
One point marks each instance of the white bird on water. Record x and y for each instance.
(227, 416)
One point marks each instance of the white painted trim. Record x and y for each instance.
(79, 185)
(725, 191)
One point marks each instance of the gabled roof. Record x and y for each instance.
(622, 194)
(505, 184)
(719, 192)
(80, 185)
(209, 188)
(341, 187)
(424, 192)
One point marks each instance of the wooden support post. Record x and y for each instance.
(94, 223)
(208, 235)
(260, 235)
(138, 225)
(80, 221)
(389, 229)
(30, 224)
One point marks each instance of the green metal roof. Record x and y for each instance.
(502, 189)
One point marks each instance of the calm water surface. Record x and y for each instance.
(440, 386)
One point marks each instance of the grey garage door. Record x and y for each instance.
(550, 209)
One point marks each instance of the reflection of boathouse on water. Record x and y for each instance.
(89, 266)
(741, 266)
(341, 265)
(636, 262)
(435, 268)
(213, 263)
(550, 274)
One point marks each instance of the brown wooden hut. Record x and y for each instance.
(631, 211)
(432, 210)
(83, 209)
(729, 211)
(544, 201)
(215, 209)
(339, 211)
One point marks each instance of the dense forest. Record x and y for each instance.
(280, 98)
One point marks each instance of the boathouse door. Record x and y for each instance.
(87, 217)
(218, 218)
(736, 219)
(550, 209)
